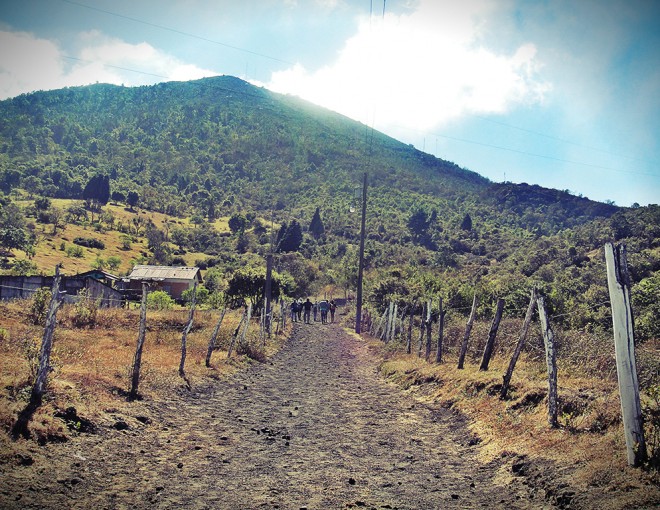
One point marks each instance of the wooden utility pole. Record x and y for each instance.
(468, 329)
(618, 281)
(137, 359)
(519, 345)
(358, 301)
(490, 343)
(551, 361)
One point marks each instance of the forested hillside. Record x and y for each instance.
(238, 170)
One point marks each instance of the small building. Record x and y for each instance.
(171, 279)
(100, 286)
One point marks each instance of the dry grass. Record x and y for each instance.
(91, 367)
(589, 442)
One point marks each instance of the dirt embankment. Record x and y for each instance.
(314, 427)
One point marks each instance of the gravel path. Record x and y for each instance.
(313, 428)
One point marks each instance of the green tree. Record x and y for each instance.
(316, 227)
(237, 223)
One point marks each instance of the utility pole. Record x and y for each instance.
(358, 305)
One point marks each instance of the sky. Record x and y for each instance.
(560, 93)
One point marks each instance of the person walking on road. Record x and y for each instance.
(323, 308)
(333, 308)
(294, 311)
(307, 308)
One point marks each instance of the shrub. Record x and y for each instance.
(113, 262)
(85, 311)
(39, 306)
(159, 300)
(4, 336)
(89, 242)
(23, 267)
(74, 251)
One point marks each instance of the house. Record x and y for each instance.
(100, 286)
(171, 279)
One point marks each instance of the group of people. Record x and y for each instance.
(304, 310)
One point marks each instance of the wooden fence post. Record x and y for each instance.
(137, 360)
(428, 331)
(394, 317)
(186, 330)
(490, 343)
(551, 361)
(47, 341)
(468, 329)
(519, 345)
(618, 281)
(441, 328)
(214, 336)
(235, 335)
(422, 328)
(410, 328)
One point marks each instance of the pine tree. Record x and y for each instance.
(316, 227)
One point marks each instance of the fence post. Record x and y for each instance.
(519, 345)
(468, 329)
(137, 360)
(618, 281)
(214, 336)
(186, 330)
(441, 327)
(47, 340)
(551, 361)
(490, 343)
(410, 328)
(422, 328)
(428, 331)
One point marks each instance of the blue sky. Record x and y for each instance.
(564, 94)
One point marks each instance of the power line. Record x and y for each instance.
(176, 31)
(542, 155)
(115, 67)
(563, 140)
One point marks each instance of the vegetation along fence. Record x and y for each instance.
(399, 319)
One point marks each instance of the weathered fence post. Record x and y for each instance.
(394, 317)
(137, 360)
(422, 329)
(519, 345)
(551, 361)
(410, 328)
(214, 336)
(490, 343)
(618, 281)
(186, 330)
(20, 428)
(429, 331)
(441, 328)
(47, 341)
(235, 335)
(468, 329)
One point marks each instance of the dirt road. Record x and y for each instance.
(312, 428)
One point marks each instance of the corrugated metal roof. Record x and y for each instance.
(163, 272)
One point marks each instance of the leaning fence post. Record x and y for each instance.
(618, 281)
(519, 345)
(47, 341)
(551, 361)
(137, 360)
(429, 333)
(490, 343)
(468, 329)
(214, 336)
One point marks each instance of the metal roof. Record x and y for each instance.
(164, 273)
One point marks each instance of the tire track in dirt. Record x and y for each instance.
(315, 427)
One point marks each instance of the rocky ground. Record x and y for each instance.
(314, 427)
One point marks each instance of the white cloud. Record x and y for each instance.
(420, 70)
(28, 63)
